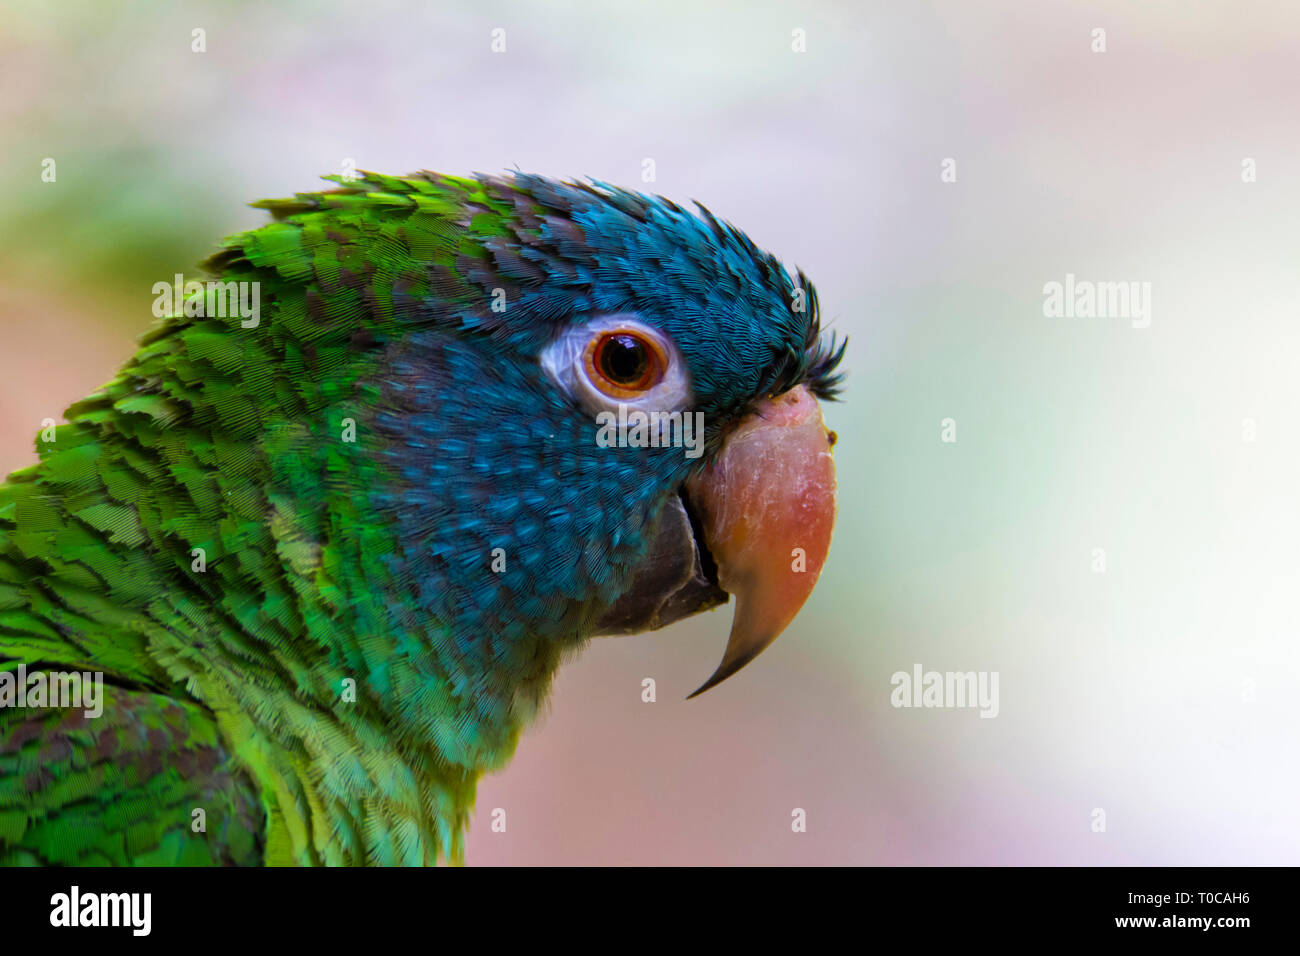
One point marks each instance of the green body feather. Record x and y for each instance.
(227, 440)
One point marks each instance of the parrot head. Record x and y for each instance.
(588, 411)
(594, 412)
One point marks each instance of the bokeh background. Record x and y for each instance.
(1162, 691)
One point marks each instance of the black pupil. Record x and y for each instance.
(623, 358)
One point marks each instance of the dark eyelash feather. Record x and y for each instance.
(817, 366)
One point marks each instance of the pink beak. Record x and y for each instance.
(767, 508)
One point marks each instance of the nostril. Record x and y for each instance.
(832, 437)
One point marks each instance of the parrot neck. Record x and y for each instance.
(332, 696)
(246, 574)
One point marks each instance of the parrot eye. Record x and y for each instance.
(624, 364)
(618, 359)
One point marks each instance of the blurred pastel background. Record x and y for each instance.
(1164, 691)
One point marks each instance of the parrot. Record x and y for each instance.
(323, 557)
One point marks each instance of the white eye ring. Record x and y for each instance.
(565, 361)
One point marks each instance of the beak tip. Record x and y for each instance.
(742, 647)
(722, 673)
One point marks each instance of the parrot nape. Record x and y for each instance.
(328, 560)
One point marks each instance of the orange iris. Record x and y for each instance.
(624, 363)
